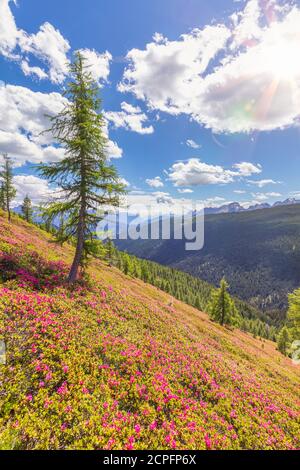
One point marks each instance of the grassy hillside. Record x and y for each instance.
(192, 291)
(257, 251)
(117, 363)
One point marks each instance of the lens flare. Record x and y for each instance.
(283, 62)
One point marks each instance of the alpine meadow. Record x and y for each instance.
(149, 231)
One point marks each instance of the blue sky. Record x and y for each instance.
(202, 99)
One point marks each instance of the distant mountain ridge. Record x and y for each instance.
(257, 251)
(229, 208)
(233, 207)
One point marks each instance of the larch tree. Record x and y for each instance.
(222, 308)
(110, 252)
(8, 191)
(283, 340)
(87, 181)
(26, 208)
(144, 272)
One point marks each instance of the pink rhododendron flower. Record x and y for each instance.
(207, 441)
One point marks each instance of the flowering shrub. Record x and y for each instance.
(30, 269)
(114, 366)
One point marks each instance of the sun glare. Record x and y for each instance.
(283, 61)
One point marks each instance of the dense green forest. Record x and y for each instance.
(258, 252)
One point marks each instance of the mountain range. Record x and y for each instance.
(225, 208)
(236, 206)
(257, 251)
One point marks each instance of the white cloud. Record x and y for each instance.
(49, 46)
(23, 150)
(265, 196)
(239, 191)
(25, 110)
(22, 119)
(112, 148)
(8, 30)
(194, 172)
(130, 109)
(262, 183)
(28, 70)
(247, 24)
(164, 203)
(163, 198)
(98, 64)
(247, 168)
(214, 201)
(130, 118)
(155, 182)
(158, 37)
(124, 181)
(254, 83)
(141, 200)
(257, 89)
(185, 191)
(165, 73)
(37, 189)
(191, 143)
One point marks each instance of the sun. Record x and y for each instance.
(283, 61)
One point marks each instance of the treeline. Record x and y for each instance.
(190, 290)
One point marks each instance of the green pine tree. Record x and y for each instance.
(254, 331)
(87, 181)
(222, 308)
(110, 252)
(127, 264)
(198, 303)
(144, 273)
(27, 209)
(283, 340)
(272, 333)
(7, 188)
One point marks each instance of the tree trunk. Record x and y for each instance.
(81, 230)
(8, 210)
(79, 247)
